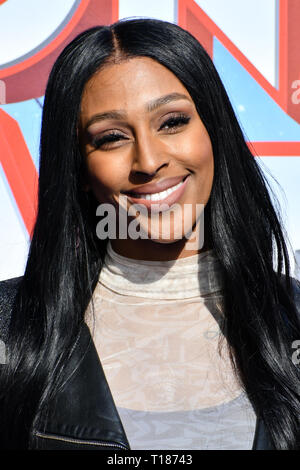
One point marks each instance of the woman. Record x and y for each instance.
(136, 116)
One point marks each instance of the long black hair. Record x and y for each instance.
(65, 255)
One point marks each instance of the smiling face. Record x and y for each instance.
(145, 143)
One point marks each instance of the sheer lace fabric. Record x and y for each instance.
(156, 329)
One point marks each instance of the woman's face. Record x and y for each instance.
(145, 144)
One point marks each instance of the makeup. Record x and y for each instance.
(166, 197)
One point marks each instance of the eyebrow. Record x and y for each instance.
(154, 104)
(150, 107)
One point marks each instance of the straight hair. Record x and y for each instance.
(65, 257)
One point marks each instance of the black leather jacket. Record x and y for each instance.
(84, 415)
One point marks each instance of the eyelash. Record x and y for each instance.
(174, 122)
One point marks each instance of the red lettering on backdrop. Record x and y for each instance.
(195, 20)
(19, 168)
(27, 80)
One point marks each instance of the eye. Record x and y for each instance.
(174, 122)
(106, 141)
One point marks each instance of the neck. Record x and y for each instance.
(187, 277)
(150, 250)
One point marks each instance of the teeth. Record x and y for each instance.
(158, 196)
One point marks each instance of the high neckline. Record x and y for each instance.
(194, 276)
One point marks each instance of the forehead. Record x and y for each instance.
(128, 84)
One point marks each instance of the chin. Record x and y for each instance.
(166, 241)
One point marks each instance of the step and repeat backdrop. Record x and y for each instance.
(253, 43)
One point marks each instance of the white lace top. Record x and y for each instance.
(156, 329)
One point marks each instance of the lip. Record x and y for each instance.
(152, 188)
(168, 201)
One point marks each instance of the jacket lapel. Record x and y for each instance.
(84, 415)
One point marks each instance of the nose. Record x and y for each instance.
(148, 157)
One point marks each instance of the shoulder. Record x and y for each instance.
(8, 291)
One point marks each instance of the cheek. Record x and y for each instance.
(196, 154)
(105, 177)
(204, 169)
